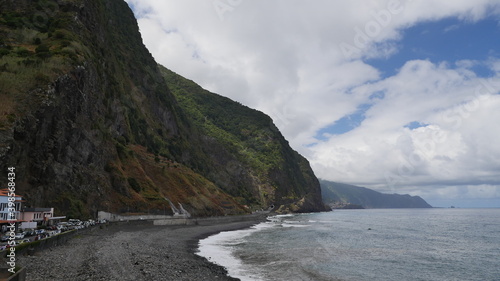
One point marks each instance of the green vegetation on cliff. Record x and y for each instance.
(91, 122)
(254, 162)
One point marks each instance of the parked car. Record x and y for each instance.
(20, 235)
(30, 232)
(5, 238)
(75, 221)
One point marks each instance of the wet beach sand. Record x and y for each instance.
(133, 251)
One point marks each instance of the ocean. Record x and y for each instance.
(370, 244)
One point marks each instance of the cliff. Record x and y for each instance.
(90, 123)
(249, 158)
(351, 196)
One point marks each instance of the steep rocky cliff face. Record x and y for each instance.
(249, 158)
(89, 122)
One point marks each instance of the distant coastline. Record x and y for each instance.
(346, 196)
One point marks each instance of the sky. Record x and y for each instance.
(400, 96)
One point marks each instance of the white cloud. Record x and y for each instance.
(288, 59)
(456, 148)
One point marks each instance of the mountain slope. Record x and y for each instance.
(334, 192)
(89, 123)
(251, 160)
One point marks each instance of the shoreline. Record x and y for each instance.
(136, 251)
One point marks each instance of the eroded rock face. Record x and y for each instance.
(55, 147)
(107, 133)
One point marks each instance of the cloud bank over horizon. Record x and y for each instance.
(398, 96)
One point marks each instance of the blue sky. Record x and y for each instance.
(413, 110)
(345, 124)
(449, 40)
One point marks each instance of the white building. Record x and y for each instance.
(6, 215)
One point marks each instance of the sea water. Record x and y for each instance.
(371, 244)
